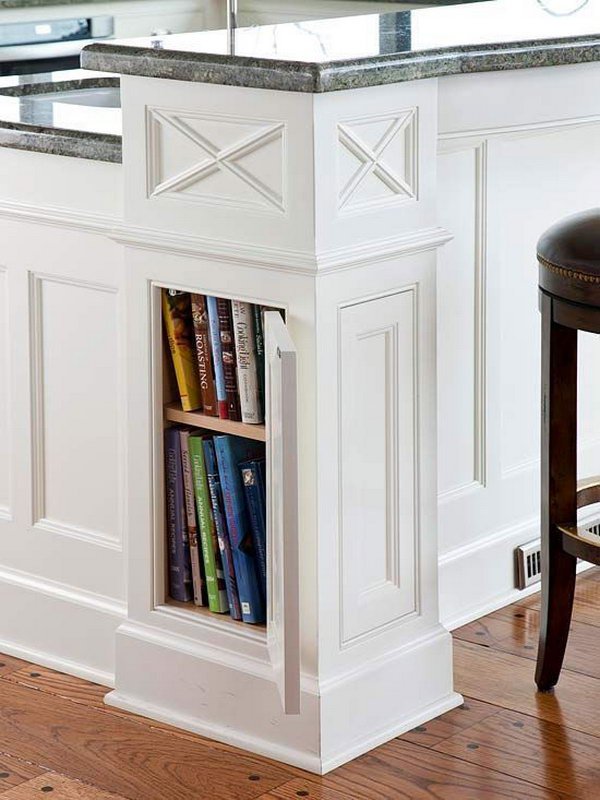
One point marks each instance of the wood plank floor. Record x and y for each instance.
(57, 739)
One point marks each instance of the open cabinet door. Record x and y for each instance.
(283, 624)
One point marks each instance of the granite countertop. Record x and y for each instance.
(32, 116)
(34, 3)
(351, 52)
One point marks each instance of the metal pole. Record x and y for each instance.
(232, 21)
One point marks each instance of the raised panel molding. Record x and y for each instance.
(378, 455)
(76, 432)
(478, 231)
(210, 158)
(5, 427)
(377, 161)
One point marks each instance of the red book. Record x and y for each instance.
(228, 358)
(203, 351)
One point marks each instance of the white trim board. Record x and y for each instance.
(479, 578)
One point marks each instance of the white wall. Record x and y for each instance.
(517, 151)
(62, 492)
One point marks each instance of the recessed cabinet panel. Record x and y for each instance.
(4, 392)
(377, 461)
(75, 391)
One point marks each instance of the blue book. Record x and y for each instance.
(217, 354)
(253, 479)
(180, 564)
(216, 501)
(231, 451)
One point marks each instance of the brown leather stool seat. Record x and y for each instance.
(569, 280)
(569, 258)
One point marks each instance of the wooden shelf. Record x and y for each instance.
(203, 611)
(196, 419)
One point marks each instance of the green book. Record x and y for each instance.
(215, 577)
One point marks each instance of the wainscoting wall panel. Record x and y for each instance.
(75, 414)
(5, 433)
(491, 186)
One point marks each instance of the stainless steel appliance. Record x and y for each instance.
(48, 45)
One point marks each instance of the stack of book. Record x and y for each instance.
(216, 522)
(217, 349)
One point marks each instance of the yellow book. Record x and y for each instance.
(177, 314)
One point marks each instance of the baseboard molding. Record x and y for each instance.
(296, 758)
(479, 578)
(386, 698)
(52, 661)
(430, 712)
(59, 626)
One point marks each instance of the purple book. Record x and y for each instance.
(180, 565)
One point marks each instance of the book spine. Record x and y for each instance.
(216, 500)
(180, 579)
(192, 525)
(254, 487)
(247, 372)
(215, 579)
(260, 354)
(177, 315)
(228, 358)
(215, 341)
(203, 351)
(251, 601)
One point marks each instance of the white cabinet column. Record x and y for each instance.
(323, 206)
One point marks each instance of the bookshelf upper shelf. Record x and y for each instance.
(174, 413)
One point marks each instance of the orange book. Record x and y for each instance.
(177, 315)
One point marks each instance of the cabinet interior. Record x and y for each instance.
(168, 413)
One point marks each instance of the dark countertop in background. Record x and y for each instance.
(353, 52)
(33, 3)
(38, 125)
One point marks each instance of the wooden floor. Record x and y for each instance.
(57, 738)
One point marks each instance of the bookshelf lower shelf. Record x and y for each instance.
(220, 619)
(174, 413)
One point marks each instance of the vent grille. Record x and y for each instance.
(593, 530)
(529, 563)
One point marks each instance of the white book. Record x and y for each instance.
(247, 373)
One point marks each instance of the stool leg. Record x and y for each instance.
(559, 487)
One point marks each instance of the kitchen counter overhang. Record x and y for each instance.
(355, 52)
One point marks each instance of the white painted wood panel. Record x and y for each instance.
(456, 309)
(283, 587)
(75, 421)
(520, 178)
(377, 403)
(535, 144)
(5, 435)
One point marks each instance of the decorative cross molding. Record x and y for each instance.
(216, 158)
(399, 133)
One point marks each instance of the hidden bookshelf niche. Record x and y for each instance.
(214, 538)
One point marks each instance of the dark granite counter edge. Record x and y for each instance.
(25, 89)
(339, 75)
(60, 141)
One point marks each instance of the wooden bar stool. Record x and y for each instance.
(569, 280)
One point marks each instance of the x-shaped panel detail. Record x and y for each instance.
(220, 159)
(371, 158)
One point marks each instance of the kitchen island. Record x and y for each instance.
(380, 179)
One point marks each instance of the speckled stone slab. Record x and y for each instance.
(33, 3)
(354, 52)
(29, 118)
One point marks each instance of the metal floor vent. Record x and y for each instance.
(529, 563)
(593, 530)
